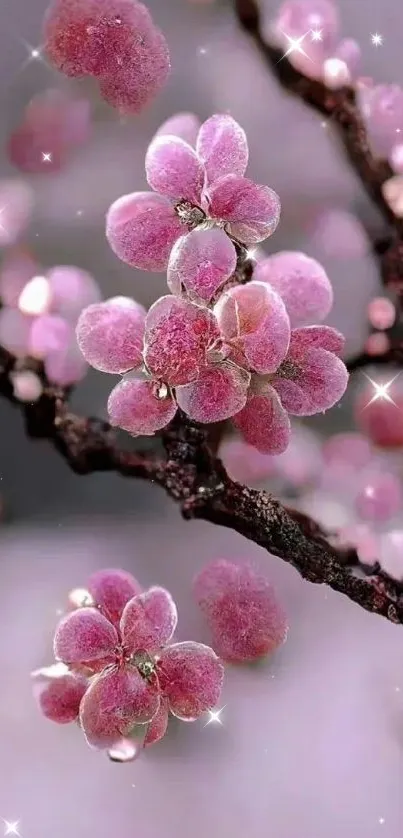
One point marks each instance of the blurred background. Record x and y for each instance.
(312, 741)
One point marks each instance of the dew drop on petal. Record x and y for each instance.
(125, 750)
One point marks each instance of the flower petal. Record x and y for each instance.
(114, 703)
(59, 693)
(312, 378)
(191, 677)
(110, 335)
(219, 393)
(178, 335)
(252, 211)
(222, 147)
(173, 169)
(184, 125)
(84, 635)
(301, 282)
(148, 621)
(141, 229)
(253, 320)
(136, 406)
(111, 590)
(201, 262)
(158, 726)
(264, 423)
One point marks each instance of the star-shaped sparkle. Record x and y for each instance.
(215, 716)
(377, 39)
(381, 391)
(316, 34)
(295, 45)
(46, 157)
(11, 827)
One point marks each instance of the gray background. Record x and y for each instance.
(312, 741)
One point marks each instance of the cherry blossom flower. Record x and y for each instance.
(120, 667)
(194, 189)
(242, 611)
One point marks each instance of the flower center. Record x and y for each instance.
(191, 215)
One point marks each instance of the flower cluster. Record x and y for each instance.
(40, 313)
(214, 348)
(53, 126)
(242, 611)
(116, 41)
(119, 668)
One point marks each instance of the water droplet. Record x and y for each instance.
(161, 391)
(80, 598)
(126, 750)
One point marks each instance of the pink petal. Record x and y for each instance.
(17, 268)
(110, 335)
(17, 202)
(310, 337)
(312, 379)
(58, 693)
(148, 621)
(111, 590)
(178, 336)
(66, 365)
(263, 422)
(242, 611)
(222, 147)
(219, 393)
(254, 322)
(136, 406)
(173, 169)
(158, 726)
(84, 635)
(49, 333)
(15, 331)
(201, 262)
(141, 229)
(191, 677)
(184, 125)
(114, 703)
(252, 211)
(72, 289)
(302, 284)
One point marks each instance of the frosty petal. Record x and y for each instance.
(302, 284)
(178, 335)
(111, 590)
(312, 378)
(264, 423)
(84, 635)
(191, 677)
(222, 147)
(149, 621)
(201, 262)
(110, 336)
(252, 211)
(253, 320)
(184, 125)
(114, 703)
(59, 693)
(141, 229)
(173, 169)
(140, 407)
(219, 393)
(158, 726)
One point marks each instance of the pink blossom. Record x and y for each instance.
(242, 611)
(114, 40)
(135, 674)
(195, 188)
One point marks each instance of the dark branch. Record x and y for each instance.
(394, 355)
(341, 107)
(196, 479)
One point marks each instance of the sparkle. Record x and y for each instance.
(381, 391)
(35, 53)
(202, 51)
(316, 34)
(2, 209)
(377, 39)
(215, 716)
(324, 124)
(397, 689)
(11, 827)
(46, 157)
(295, 45)
(381, 820)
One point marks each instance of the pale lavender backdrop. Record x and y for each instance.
(312, 742)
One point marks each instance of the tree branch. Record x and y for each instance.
(341, 107)
(196, 479)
